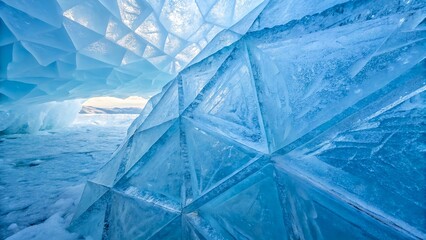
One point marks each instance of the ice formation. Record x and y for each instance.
(60, 49)
(311, 126)
(36, 117)
(54, 50)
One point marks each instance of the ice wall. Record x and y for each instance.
(308, 127)
(36, 117)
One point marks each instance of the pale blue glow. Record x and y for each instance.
(282, 119)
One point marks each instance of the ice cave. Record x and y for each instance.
(266, 119)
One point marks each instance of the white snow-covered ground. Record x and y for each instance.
(42, 175)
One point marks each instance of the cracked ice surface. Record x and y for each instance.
(311, 126)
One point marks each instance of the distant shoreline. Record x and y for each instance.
(97, 110)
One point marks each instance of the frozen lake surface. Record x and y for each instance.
(42, 175)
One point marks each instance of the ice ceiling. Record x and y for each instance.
(56, 50)
(64, 49)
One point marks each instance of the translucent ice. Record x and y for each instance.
(43, 116)
(58, 49)
(311, 126)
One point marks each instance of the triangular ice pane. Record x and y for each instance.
(134, 218)
(249, 210)
(92, 222)
(230, 106)
(92, 192)
(173, 230)
(212, 157)
(159, 172)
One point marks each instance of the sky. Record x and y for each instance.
(113, 102)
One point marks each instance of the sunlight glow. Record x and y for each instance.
(113, 102)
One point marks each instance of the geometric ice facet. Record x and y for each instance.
(313, 128)
(117, 48)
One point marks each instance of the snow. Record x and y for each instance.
(52, 228)
(43, 174)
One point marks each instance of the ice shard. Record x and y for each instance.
(311, 126)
